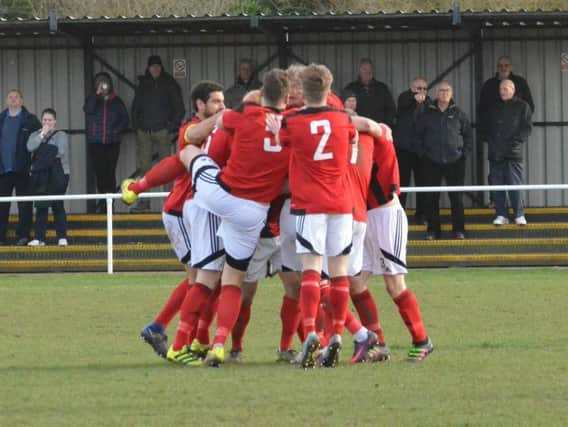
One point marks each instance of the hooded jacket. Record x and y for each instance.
(158, 103)
(508, 129)
(106, 117)
(445, 136)
(29, 124)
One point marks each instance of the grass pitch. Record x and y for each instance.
(71, 356)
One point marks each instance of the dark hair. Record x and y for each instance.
(202, 90)
(275, 87)
(366, 61)
(49, 111)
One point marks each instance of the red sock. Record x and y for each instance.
(163, 172)
(309, 299)
(368, 312)
(191, 308)
(410, 313)
(339, 299)
(290, 317)
(300, 330)
(327, 315)
(173, 304)
(207, 316)
(227, 312)
(352, 324)
(323, 307)
(240, 328)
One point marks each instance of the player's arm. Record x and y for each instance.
(197, 133)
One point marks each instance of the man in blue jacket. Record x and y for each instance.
(16, 125)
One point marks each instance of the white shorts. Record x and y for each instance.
(356, 257)
(290, 259)
(385, 241)
(179, 234)
(266, 259)
(324, 234)
(207, 252)
(241, 219)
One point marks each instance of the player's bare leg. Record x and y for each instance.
(238, 332)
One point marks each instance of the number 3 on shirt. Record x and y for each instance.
(319, 154)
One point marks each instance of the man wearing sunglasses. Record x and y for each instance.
(411, 105)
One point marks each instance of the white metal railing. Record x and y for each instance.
(112, 196)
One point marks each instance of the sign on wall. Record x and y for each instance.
(564, 62)
(180, 68)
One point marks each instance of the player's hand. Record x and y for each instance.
(273, 123)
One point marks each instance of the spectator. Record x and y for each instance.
(411, 106)
(246, 81)
(447, 138)
(490, 97)
(350, 101)
(16, 125)
(507, 130)
(157, 111)
(374, 99)
(56, 177)
(106, 118)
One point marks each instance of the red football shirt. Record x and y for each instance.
(218, 146)
(181, 190)
(360, 177)
(257, 166)
(385, 176)
(319, 140)
(334, 101)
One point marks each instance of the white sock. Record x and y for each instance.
(361, 334)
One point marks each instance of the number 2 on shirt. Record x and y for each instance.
(319, 154)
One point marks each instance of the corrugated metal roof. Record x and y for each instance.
(323, 22)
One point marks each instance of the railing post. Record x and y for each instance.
(109, 234)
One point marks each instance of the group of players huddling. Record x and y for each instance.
(291, 179)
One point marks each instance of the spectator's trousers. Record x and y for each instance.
(105, 159)
(59, 217)
(19, 182)
(507, 172)
(454, 175)
(409, 163)
(148, 143)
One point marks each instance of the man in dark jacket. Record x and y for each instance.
(106, 118)
(489, 96)
(157, 112)
(374, 99)
(447, 138)
(411, 105)
(16, 125)
(506, 132)
(246, 81)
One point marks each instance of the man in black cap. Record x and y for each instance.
(157, 111)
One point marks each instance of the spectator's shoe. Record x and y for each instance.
(431, 235)
(362, 348)
(500, 220)
(286, 356)
(199, 349)
(215, 357)
(459, 235)
(521, 220)
(234, 356)
(128, 196)
(378, 354)
(183, 357)
(420, 219)
(62, 242)
(23, 241)
(309, 347)
(331, 358)
(34, 242)
(418, 353)
(158, 340)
